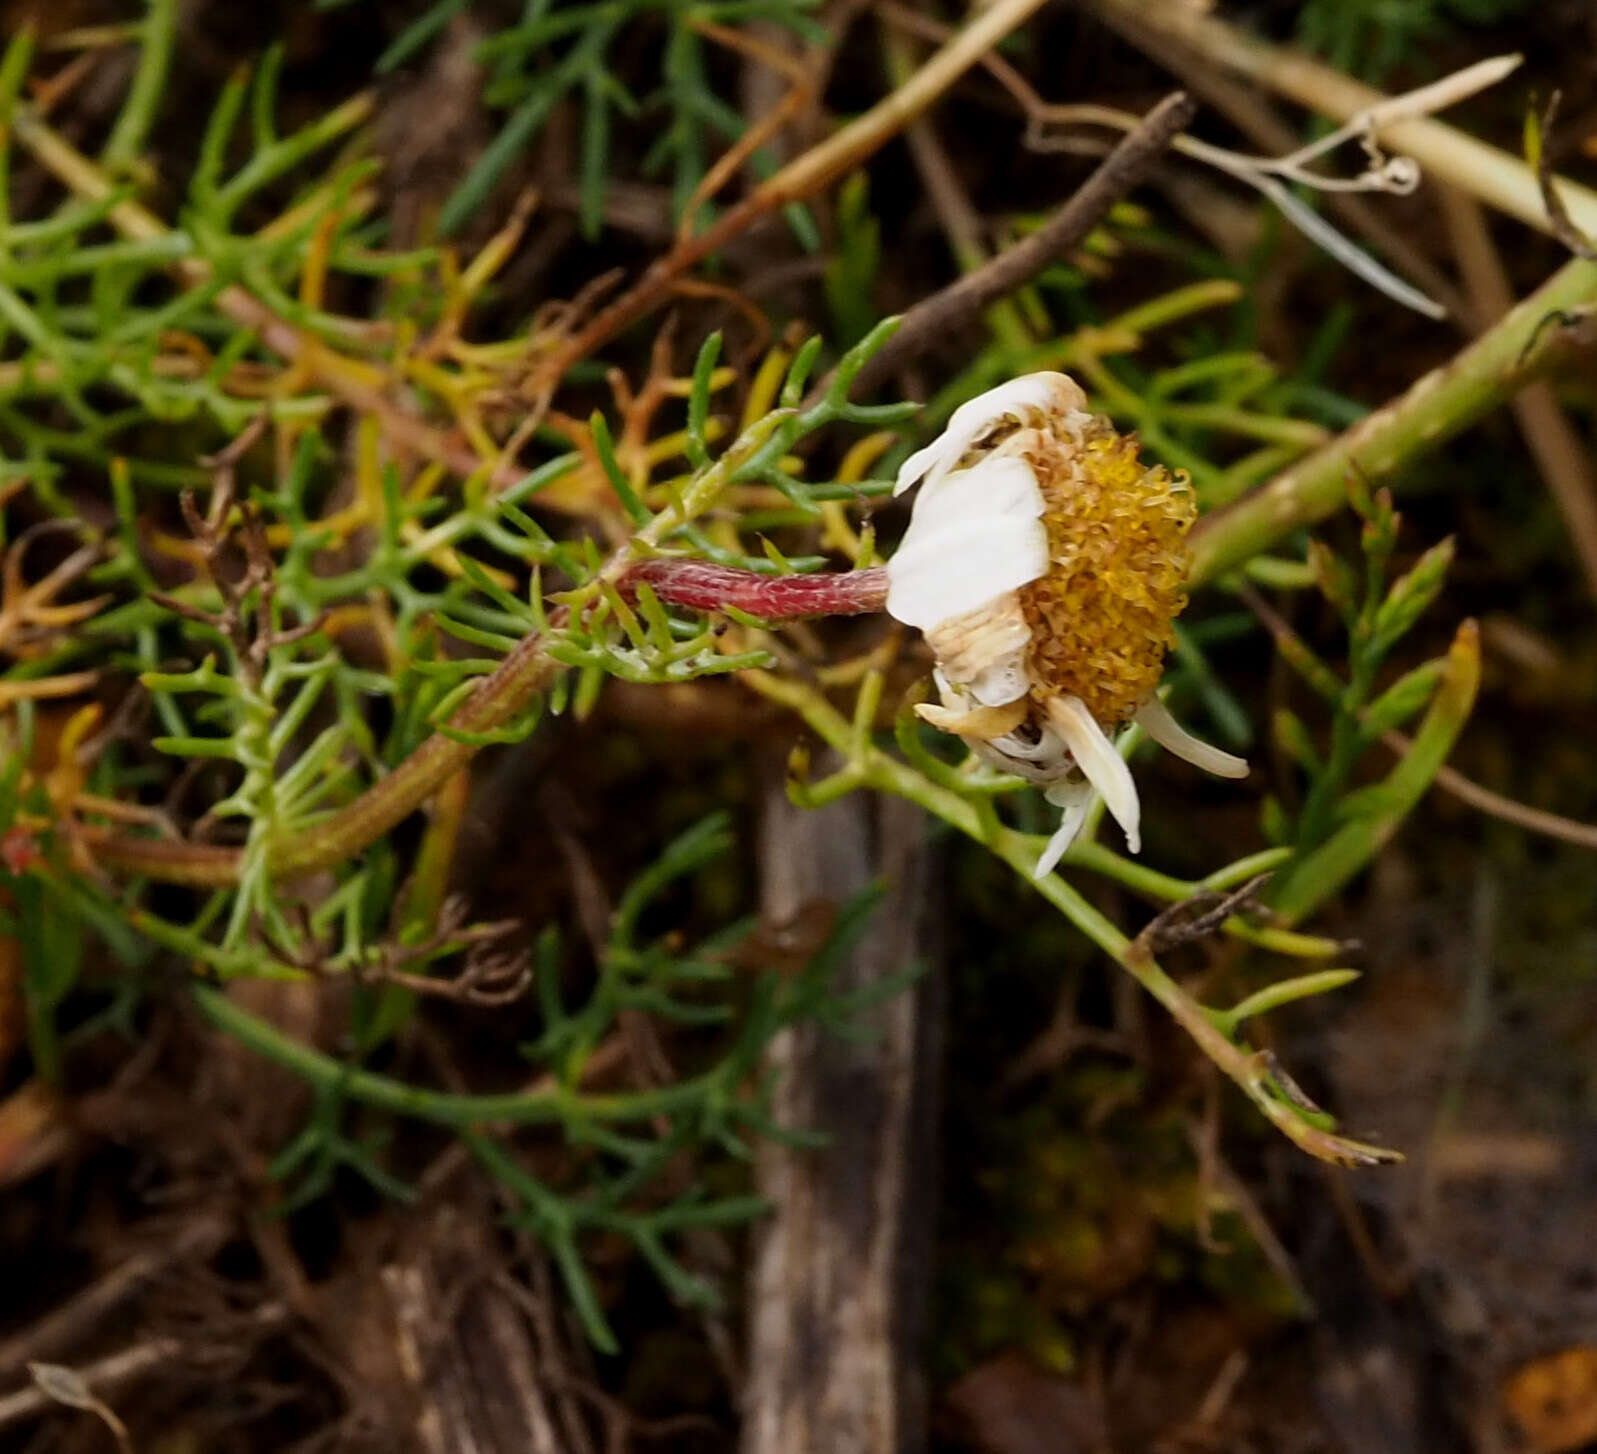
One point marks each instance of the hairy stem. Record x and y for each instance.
(497, 700)
(700, 586)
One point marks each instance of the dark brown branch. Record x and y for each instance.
(955, 306)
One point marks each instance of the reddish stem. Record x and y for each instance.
(494, 701)
(703, 587)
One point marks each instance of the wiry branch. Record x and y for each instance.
(1128, 165)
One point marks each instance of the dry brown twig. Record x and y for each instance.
(958, 304)
(252, 631)
(1196, 917)
(1558, 218)
(490, 975)
(1486, 172)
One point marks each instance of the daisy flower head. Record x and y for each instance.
(1045, 564)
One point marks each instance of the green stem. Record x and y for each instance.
(1324, 870)
(444, 1108)
(1251, 1072)
(1330, 786)
(148, 88)
(496, 700)
(1527, 342)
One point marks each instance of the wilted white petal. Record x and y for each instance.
(1037, 755)
(973, 721)
(1003, 681)
(1154, 718)
(981, 655)
(972, 418)
(974, 537)
(1105, 769)
(1047, 749)
(1075, 799)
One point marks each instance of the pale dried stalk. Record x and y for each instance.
(1496, 177)
(837, 1266)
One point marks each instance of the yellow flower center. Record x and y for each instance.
(1101, 618)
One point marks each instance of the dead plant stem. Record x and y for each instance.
(1494, 176)
(1510, 810)
(954, 307)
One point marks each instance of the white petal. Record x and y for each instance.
(1106, 770)
(1154, 718)
(976, 536)
(972, 418)
(1043, 764)
(983, 653)
(994, 485)
(1075, 799)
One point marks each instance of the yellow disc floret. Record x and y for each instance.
(1101, 617)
